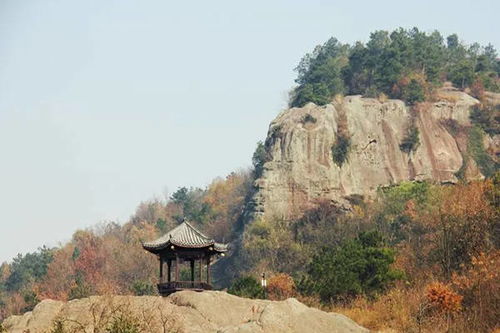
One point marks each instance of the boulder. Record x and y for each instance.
(185, 311)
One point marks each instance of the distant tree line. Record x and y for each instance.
(403, 64)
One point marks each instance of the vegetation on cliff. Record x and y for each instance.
(404, 64)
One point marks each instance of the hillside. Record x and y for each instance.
(185, 311)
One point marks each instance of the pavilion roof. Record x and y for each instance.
(184, 235)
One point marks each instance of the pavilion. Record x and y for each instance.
(182, 244)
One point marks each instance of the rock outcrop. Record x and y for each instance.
(300, 169)
(185, 311)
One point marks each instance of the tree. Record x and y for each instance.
(389, 57)
(246, 286)
(281, 286)
(191, 201)
(28, 268)
(359, 266)
(340, 150)
(226, 199)
(259, 157)
(462, 73)
(320, 74)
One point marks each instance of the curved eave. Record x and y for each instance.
(157, 248)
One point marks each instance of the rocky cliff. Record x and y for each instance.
(185, 311)
(300, 170)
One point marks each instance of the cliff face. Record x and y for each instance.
(300, 169)
(185, 311)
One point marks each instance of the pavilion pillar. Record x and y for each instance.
(161, 269)
(200, 272)
(208, 269)
(192, 270)
(169, 270)
(176, 267)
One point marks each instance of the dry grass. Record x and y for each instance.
(439, 96)
(395, 310)
(338, 98)
(382, 98)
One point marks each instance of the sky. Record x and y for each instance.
(107, 103)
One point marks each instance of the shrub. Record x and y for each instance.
(259, 158)
(477, 89)
(480, 286)
(411, 88)
(281, 286)
(486, 164)
(371, 92)
(246, 286)
(340, 150)
(359, 266)
(30, 299)
(487, 118)
(316, 93)
(410, 141)
(442, 298)
(308, 119)
(123, 324)
(142, 288)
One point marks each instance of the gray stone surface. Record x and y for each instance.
(300, 169)
(186, 311)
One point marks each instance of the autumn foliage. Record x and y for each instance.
(442, 298)
(443, 239)
(281, 286)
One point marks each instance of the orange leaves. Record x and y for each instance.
(480, 285)
(477, 89)
(225, 198)
(58, 282)
(281, 286)
(442, 298)
(484, 269)
(469, 200)
(89, 257)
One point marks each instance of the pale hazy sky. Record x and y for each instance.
(106, 103)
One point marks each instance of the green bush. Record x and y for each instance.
(340, 150)
(414, 92)
(246, 286)
(410, 141)
(487, 118)
(81, 289)
(31, 300)
(484, 161)
(308, 119)
(142, 288)
(359, 266)
(259, 158)
(316, 93)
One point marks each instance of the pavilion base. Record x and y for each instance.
(168, 288)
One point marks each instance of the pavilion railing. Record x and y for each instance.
(179, 285)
